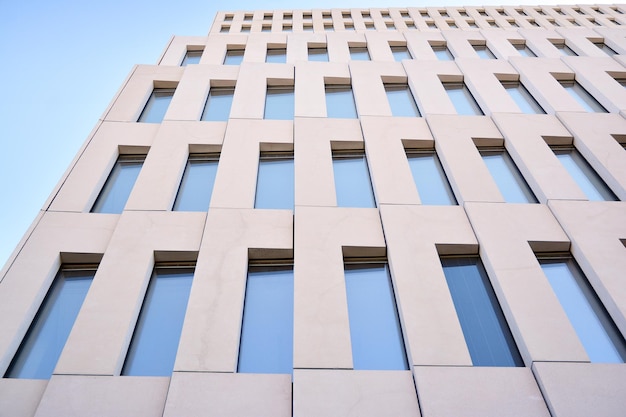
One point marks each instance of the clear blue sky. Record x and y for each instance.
(62, 62)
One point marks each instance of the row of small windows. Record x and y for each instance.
(361, 53)
(266, 344)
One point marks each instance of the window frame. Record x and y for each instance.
(111, 188)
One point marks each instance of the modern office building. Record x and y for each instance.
(381, 212)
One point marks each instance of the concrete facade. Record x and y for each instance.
(558, 378)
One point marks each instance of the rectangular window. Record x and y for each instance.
(583, 97)
(196, 186)
(401, 100)
(233, 57)
(352, 180)
(358, 53)
(522, 97)
(218, 103)
(318, 54)
(488, 338)
(117, 188)
(400, 53)
(587, 179)
(524, 50)
(279, 104)
(463, 101)
(483, 52)
(152, 350)
(157, 105)
(375, 332)
(593, 325)
(266, 345)
(510, 181)
(42, 346)
(191, 57)
(275, 181)
(340, 102)
(564, 49)
(245, 28)
(430, 178)
(276, 55)
(442, 53)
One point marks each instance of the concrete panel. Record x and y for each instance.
(419, 44)
(299, 43)
(218, 45)
(501, 42)
(210, 334)
(178, 46)
(257, 45)
(431, 327)
(20, 397)
(354, 393)
(378, 44)
(508, 234)
(581, 41)
(102, 396)
(310, 94)
(614, 38)
(199, 394)
(582, 389)
(478, 392)
(321, 327)
(460, 42)
(369, 91)
(541, 41)
(339, 43)
(425, 80)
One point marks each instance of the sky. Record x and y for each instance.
(61, 63)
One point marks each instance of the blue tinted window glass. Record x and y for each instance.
(510, 182)
(277, 56)
(340, 102)
(587, 179)
(279, 104)
(352, 181)
(430, 179)
(318, 54)
(152, 350)
(463, 101)
(400, 53)
(586, 100)
(524, 50)
(157, 105)
(196, 186)
(443, 53)
(359, 53)
(191, 57)
(594, 327)
(486, 332)
(267, 329)
(483, 52)
(524, 100)
(118, 186)
(565, 50)
(401, 101)
(40, 350)
(375, 331)
(218, 103)
(233, 57)
(275, 182)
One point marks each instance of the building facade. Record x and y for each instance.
(381, 212)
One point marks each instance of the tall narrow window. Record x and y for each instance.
(117, 188)
(442, 53)
(583, 97)
(267, 330)
(587, 179)
(157, 105)
(279, 104)
(196, 186)
(375, 332)
(524, 100)
(352, 180)
(430, 179)
(318, 54)
(41, 348)
(483, 52)
(401, 100)
(359, 53)
(510, 181)
(152, 350)
(400, 53)
(276, 55)
(605, 48)
(524, 50)
(593, 325)
(218, 103)
(488, 338)
(564, 49)
(233, 57)
(463, 101)
(191, 57)
(340, 102)
(275, 181)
